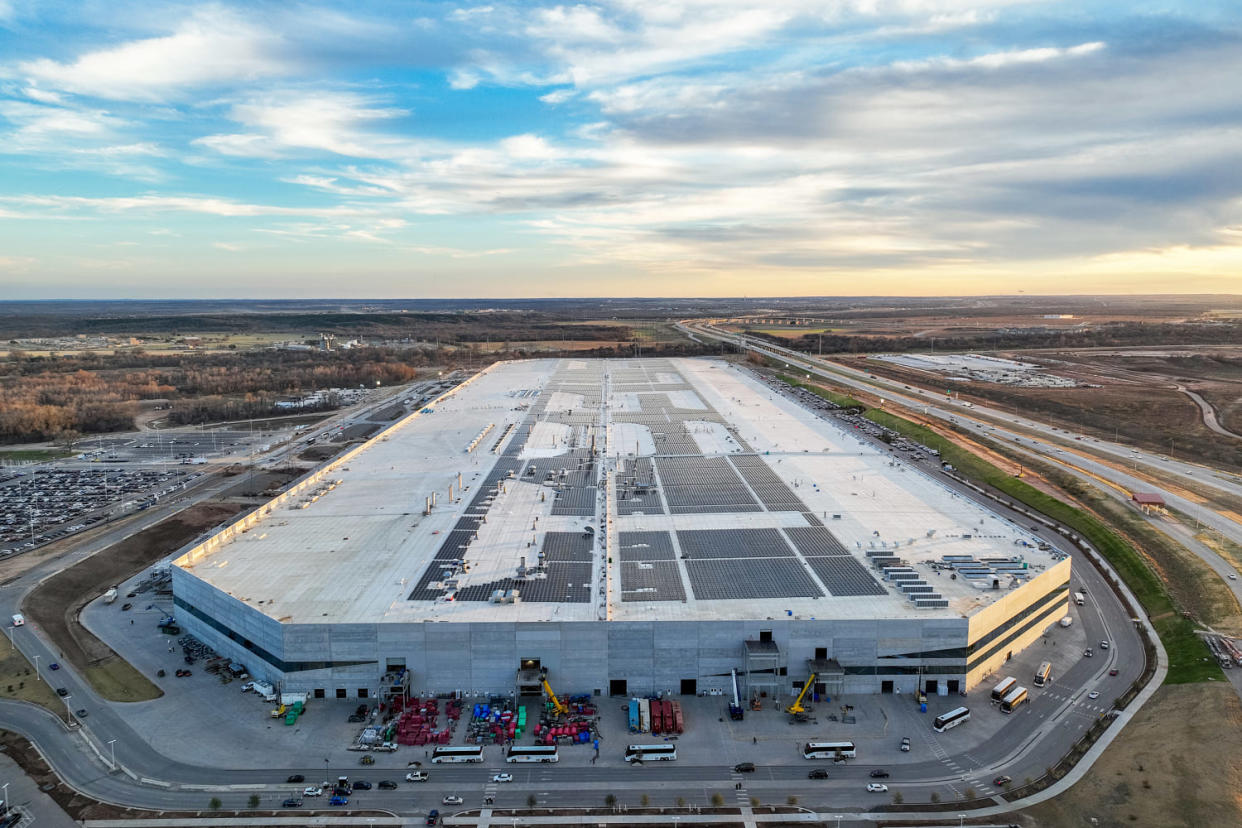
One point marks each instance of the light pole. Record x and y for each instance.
(112, 747)
(38, 675)
(961, 818)
(838, 819)
(5, 786)
(325, 769)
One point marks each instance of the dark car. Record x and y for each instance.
(61, 691)
(291, 803)
(126, 607)
(744, 767)
(1001, 781)
(297, 777)
(339, 800)
(1113, 672)
(341, 791)
(879, 773)
(818, 773)
(361, 785)
(387, 785)
(80, 713)
(433, 817)
(53, 666)
(354, 719)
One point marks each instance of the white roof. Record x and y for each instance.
(357, 551)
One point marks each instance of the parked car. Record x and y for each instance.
(877, 787)
(905, 744)
(433, 817)
(879, 773)
(291, 802)
(744, 767)
(1002, 781)
(503, 777)
(818, 773)
(313, 790)
(296, 778)
(337, 799)
(451, 799)
(387, 785)
(362, 785)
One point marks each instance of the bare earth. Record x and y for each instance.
(1179, 763)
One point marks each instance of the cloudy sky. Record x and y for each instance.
(635, 147)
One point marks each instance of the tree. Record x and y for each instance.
(791, 800)
(253, 801)
(531, 801)
(645, 800)
(969, 794)
(215, 803)
(754, 802)
(898, 798)
(681, 803)
(610, 801)
(935, 797)
(717, 800)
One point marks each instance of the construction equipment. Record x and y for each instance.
(796, 708)
(735, 709)
(557, 705)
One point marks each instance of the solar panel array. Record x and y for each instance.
(845, 576)
(815, 541)
(696, 485)
(743, 578)
(733, 543)
(770, 489)
(651, 581)
(646, 546)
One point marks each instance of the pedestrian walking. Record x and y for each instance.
(754, 740)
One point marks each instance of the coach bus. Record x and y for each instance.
(1001, 690)
(1016, 697)
(532, 753)
(1044, 674)
(651, 753)
(829, 750)
(469, 753)
(951, 719)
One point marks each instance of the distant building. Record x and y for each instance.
(1058, 316)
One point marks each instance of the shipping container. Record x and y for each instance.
(635, 722)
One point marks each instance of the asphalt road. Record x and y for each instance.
(1035, 737)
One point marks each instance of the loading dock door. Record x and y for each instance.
(617, 687)
(886, 686)
(689, 687)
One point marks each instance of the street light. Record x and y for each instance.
(6, 798)
(38, 676)
(838, 819)
(112, 747)
(961, 818)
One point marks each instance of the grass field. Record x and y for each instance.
(1187, 655)
(843, 400)
(1169, 768)
(33, 455)
(18, 681)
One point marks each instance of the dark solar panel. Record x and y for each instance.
(646, 546)
(658, 581)
(845, 576)
(733, 543)
(815, 541)
(749, 578)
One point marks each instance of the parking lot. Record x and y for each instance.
(48, 503)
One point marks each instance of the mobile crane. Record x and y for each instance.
(796, 709)
(557, 705)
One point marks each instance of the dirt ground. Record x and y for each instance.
(1169, 767)
(55, 603)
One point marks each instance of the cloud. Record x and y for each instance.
(161, 204)
(213, 46)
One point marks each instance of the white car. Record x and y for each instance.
(503, 777)
(312, 791)
(416, 776)
(451, 799)
(876, 787)
(1094, 694)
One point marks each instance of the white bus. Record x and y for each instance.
(829, 750)
(650, 753)
(1044, 674)
(469, 753)
(951, 719)
(532, 753)
(1016, 697)
(1000, 690)
(1079, 598)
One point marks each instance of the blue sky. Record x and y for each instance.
(637, 147)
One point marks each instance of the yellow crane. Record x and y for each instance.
(796, 708)
(556, 703)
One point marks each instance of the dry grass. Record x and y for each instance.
(17, 680)
(1169, 768)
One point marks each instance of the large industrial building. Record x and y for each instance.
(629, 527)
